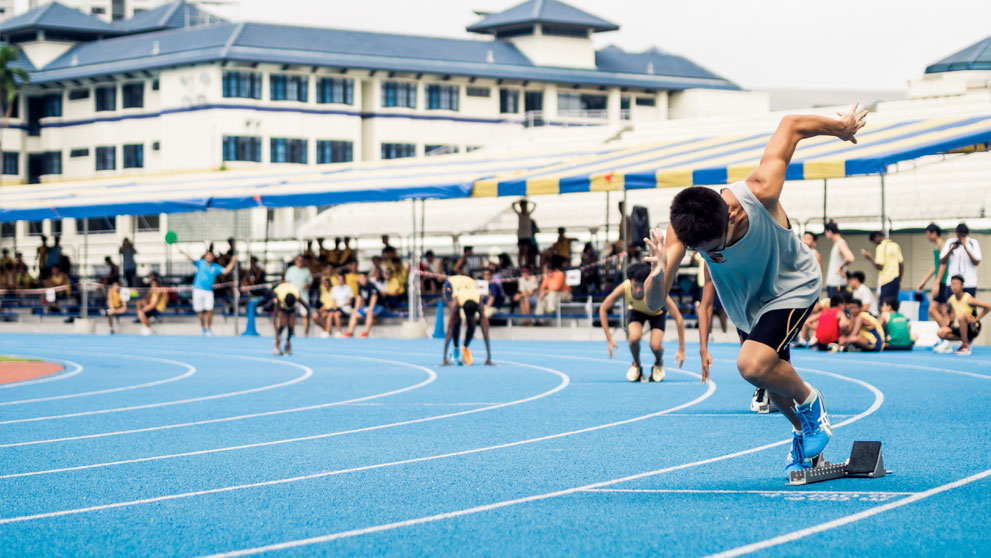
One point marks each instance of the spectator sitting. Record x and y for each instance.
(56, 279)
(830, 324)
(432, 264)
(963, 312)
(152, 305)
(495, 298)
(255, 274)
(526, 295)
(561, 249)
(861, 292)
(366, 306)
(351, 277)
(553, 291)
(392, 289)
(334, 257)
(325, 310)
(899, 336)
(22, 277)
(590, 271)
(347, 254)
(301, 276)
(463, 265)
(341, 297)
(116, 304)
(866, 333)
(323, 254)
(377, 277)
(113, 273)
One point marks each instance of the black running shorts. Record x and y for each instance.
(777, 328)
(656, 322)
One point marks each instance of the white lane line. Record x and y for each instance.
(52, 378)
(761, 492)
(431, 376)
(735, 415)
(307, 372)
(565, 380)
(846, 520)
(902, 365)
(190, 370)
(878, 400)
(704, 396)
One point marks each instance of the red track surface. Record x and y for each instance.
(19, 371)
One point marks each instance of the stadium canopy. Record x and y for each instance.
(725, 159)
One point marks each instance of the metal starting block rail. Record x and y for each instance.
(865, 462)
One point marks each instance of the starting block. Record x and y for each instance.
(865, 462)
(761, 402)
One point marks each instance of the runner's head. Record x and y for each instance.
(471, 310)
(701, 219)
(637, 274)
(290, 301)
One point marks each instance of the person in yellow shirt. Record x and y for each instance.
(866, 332)
(116, 304)
(964, 323)
(284, 302)
(351, 277)
(888, 260)
(463, 297)
(153, 304)
(638, 315)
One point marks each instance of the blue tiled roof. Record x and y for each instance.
(173, 15)
(279, 44)
(542, 11)
(653, 61)
(57, 17)
(975, 57)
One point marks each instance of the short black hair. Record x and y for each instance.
(290, 300)
(469, 249)
(638, 272)
(470, 307)
(855, 301)
(963, 229)
(934, 228)
(875, 234)
(892, 302)
(699, 214)
(846, 296)
(832, 227)
(858, 275)
(428, 253)
(957, 278)
(814, 236)
(836, 300)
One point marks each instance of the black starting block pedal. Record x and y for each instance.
(761, 402)
(865, 462)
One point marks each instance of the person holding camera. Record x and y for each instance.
(962, 255)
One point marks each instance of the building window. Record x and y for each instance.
(478, 92)
(245, 85)
(624, 107)
(398, 94)
(76, 94)
(518, 32)
(97, 225)
(471, 148)
(10, 162)
(442, 97)
(106, 98)
(331, 151)
(288, 88)
(582, 105)
(533, 100)
(134, 156)
(430, 150)
(646, 102)
(79, 152)
(154, 85)
(14, 106)
(8, 229)
(285, 150)
(156, 146)
(98, 10)
(106, 158)
(56, 226)
(148, 223)
(51, 162)
(335, 90)
(36, 228)
(509, 101)
(559, 31)
(133, 95)
(398, 150)
(52, 105)
(242, 148)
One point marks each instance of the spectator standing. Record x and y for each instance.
(152, 305)
(7, 270)
(352, 278)
(127, 263)
(116, 304)
(113, 272)
(42, 255)
(496, 296)
(432, 264)
(366, 306)
(322, 253)
(347, 253)
(888, 260)
(861, 292)
(54, 254)
(809, 239)
(962, 255)
(463, 265)
(206, 275)
(840, 256)
(553, 291)
(386, 247)
(524, 235)
(301, 276)
(590, 271)
(392, 289)
(940, 290)
(561, 249)
(335, 257)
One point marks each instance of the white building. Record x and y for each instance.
(110, 10)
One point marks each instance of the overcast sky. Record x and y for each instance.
(840, 44)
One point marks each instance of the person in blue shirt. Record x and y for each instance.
(206, 275)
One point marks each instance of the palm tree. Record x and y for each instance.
(11, 80)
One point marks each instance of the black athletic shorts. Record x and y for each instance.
(656, 322)
(777, 328)
(973, 330)
(942, 294)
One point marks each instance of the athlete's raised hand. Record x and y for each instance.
(658, 257)
(706, 363)
(852, 121)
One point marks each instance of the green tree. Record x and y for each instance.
(12, 78)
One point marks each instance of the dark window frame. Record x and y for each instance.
(105, 98)
(106, 157)
(334, 151)
(132, 95)
(133, 155)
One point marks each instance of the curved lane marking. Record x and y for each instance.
(307, 372)
(878, 400)
(190, 370)
(900, 365)
(431, 376)
(52, 378)
(711, 389)
(565, 380)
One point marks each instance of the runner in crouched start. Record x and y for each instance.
(463, 297)
(767, 279)
(283, 301)
(638, 316)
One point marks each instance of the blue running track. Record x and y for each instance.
(185, 446)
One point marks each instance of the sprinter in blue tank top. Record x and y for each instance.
(766, 278)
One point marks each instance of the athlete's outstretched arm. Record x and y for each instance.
(705, 323)
(679, 321)
(767, 181)
(604, 308)
(665, 258)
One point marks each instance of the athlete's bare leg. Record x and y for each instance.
(761, 366)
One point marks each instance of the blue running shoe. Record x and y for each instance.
(815, 425)
(796, 457)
